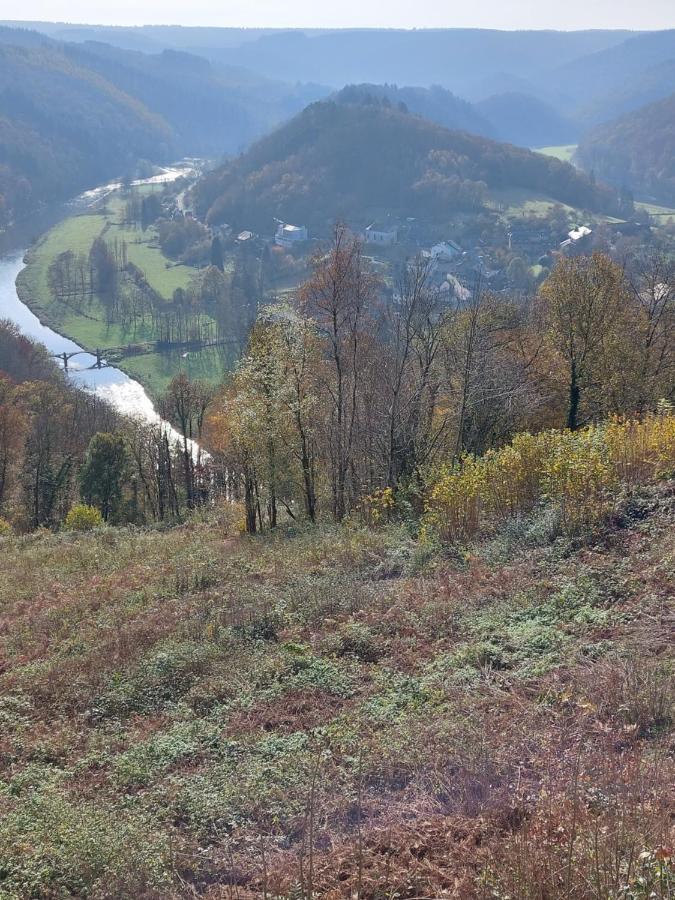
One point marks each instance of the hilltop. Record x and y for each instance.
(636, 150)
(352, 160)
(434, 103)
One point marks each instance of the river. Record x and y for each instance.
(125, 394)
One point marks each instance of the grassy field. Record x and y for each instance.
(338, 712)
(564, 152)
(163, 274)
(155, 370)
(659, 212)
(77, 234)
(89, 327)
(517, 202)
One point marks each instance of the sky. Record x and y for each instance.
(646, 15)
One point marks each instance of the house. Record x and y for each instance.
(245, 236)
(381, 235)
(577, 237)
(290, 235)
(445, 251)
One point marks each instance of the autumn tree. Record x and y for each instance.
(410, 383)
(580, 305)
(486, 390)
(340, 296)
(650, 328)
(185, 403)
(12, 436)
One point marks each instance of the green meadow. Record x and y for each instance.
(88, 326)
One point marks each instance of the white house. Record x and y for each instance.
(382, 235)
(576, 237)
(445, 251)
(289, 235)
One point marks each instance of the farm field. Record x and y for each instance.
(89, 325)
(659, 212)
(517, 202)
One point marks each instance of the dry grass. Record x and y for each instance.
(328, 714)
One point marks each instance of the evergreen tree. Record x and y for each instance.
(103, 474)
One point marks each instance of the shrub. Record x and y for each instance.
(575, 472)
(83, 518)
(5, 528)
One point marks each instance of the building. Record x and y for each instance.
(381, 235)
(445, 251)
(290, 235)
(576, 238)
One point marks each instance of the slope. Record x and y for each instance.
(350, 160)
(342, 709)
(637, 151)
(64, 127)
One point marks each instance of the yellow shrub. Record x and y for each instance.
(377, 507)
(577, 471)
(579, 477)
(5, 527)
(513, 475)
(454, 505)
(83, 518)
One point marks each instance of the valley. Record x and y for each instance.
(337, 454)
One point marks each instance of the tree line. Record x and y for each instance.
(348, 391)
(341, 394)
(61, 445)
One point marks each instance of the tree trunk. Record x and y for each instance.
(575, 396)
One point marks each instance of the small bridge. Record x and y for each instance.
(66, 357)
(118, 353)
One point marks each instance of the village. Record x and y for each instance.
(503, 254)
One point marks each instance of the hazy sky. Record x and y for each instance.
(648, 14)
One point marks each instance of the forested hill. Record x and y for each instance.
(349, 160)
(636, 150)
(72, 115)
(63, 127)
(211, 110)
(434, 103)
(526, 120)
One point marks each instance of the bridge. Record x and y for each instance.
(119, 353)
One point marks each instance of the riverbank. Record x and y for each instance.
(88, 323)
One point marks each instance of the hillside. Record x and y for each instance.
(337, 713)
(526, 120)
(72, 115)
(594, 87)
(64, 127)
(352, 160)
(458, 59)
(655, 83)
(212, 110)
(636, 151)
